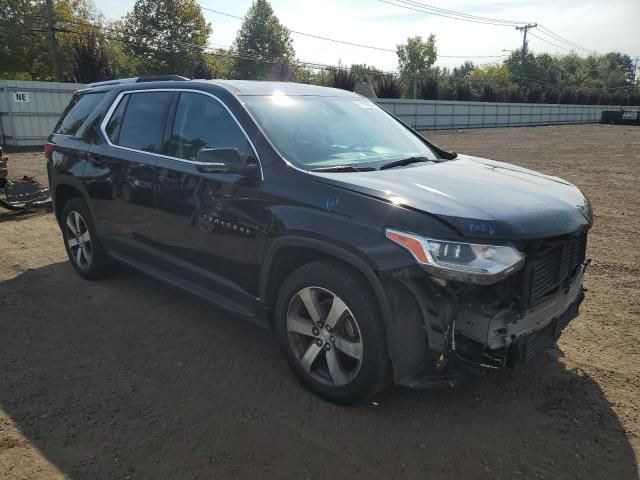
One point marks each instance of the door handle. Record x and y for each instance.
(217, 167)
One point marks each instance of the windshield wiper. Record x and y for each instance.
(405, 161)
(342, 168)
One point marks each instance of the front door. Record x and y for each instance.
(208, 223)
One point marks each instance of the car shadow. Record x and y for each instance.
(128, 378)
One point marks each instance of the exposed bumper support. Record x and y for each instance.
(463, 337)
(506, 326)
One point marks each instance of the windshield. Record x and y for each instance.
(315, 132)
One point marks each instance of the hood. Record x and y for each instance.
(479, 198)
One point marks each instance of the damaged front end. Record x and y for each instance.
(470, 328)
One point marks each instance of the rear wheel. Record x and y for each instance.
(328, 325)
(81, 241)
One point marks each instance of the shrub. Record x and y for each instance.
(582, 96)
(533, 94)
(567, 96)
(488, 94)
(428, 88)
(551, 95)
(343, 79)
(463, 92)
(620, 98)
(515, 95)
(281, 72)
(202, 69)
(388, 87)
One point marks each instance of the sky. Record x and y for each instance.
(600, 25)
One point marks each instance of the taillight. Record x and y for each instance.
(48, 150)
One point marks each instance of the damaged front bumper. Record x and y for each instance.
(466, 336)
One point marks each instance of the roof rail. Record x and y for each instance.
(162, 78)
(151, 78)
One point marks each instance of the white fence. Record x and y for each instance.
(446, 114)
(30, 110)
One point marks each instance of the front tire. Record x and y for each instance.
(328, 325)
(81, 241)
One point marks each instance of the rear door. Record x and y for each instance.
(208, 223)
(121, 172)
(68, 146)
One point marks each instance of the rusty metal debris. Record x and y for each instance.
(25, 194)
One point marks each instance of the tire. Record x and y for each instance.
(92, 262)
(340, 357)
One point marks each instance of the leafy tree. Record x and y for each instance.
(363, 72)
(91, 61)
(24, 50)
(203, 68)
(415, 59)
(463, 71)
(165, 36)
(262, 38)
(17, 37)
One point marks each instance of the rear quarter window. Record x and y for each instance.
(77, 112)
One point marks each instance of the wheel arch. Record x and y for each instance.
(286, 254)
(64, 191)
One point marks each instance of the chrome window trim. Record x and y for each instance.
(121, 95)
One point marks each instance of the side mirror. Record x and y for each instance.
(220, 160)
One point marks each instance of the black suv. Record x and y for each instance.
(375, 256)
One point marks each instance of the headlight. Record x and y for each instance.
(465, 262)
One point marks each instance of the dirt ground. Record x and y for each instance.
(128, 378)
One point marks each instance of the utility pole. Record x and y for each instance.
(53, 41)
(415, 82)
(525, 29)
(635, 69)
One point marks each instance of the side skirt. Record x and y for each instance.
(256, 315)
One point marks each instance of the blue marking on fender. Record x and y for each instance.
(482, 227)
(333, 202)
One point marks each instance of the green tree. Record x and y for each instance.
(415, 59)
(24, 51)
(264, 39)
(165, 36)
(91, 60)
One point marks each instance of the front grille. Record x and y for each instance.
(551, 265)
(537, 341)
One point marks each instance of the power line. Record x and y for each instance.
(461, 14)
(412, 6)
(344, 42)
(431, 10)
(564, 40)
(550, 43)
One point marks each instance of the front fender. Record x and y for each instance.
(406, 339)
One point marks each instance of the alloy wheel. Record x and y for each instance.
(79, 240)
(324, 336)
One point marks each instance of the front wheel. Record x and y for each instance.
(81, 241)
(330, 330)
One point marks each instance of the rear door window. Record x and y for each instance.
(140, 123)
(77, 112)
